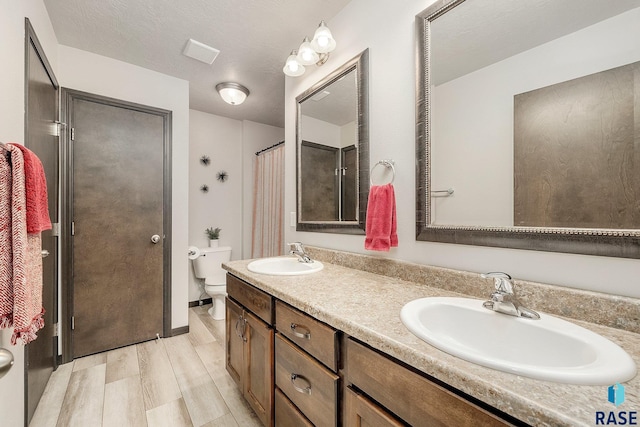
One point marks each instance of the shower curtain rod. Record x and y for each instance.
(269, 148)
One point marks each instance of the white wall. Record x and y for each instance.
(348, 134)
(231, 145)
(219, 138)
(255, 137)
(12, 14)
(100, 75)
(320, 132)
(483, 101)
(392, 123)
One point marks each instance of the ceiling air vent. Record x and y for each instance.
(200, 51)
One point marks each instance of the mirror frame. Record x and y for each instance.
(360, 64)
(623, 243)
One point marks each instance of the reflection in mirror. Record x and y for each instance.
(533, 120)
(332, 151)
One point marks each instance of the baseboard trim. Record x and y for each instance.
(199, 302)
(179, 331)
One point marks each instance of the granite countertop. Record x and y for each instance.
(367, 307)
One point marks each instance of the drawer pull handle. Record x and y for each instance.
(305, 390)
(305, 335)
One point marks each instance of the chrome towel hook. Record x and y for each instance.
(387, 163)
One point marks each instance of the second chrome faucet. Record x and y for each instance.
(503, 299)
(296, 248)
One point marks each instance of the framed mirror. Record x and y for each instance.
(332, 151)
(528, 125)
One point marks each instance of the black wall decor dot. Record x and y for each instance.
(204, 188)
(205, 160)
(222, 176)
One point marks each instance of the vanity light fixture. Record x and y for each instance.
(232, 93)
(311, 52)
(292, 67)
(306, 54)
(323, 41)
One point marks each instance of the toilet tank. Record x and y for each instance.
(208, 265)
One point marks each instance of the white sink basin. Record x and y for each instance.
(545, 349)
(284, 266)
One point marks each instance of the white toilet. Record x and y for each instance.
(208, 266)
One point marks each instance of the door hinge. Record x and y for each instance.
(56, 330)
(73, 323)
(55, 229)
(73, 134)
(73, 228)
(58, 125)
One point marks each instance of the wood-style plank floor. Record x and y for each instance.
(177, 381)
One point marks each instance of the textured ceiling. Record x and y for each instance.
(254, 38)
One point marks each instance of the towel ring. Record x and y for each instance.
(389, 164)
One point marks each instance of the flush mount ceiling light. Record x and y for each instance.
(232, 93)
(311, 52)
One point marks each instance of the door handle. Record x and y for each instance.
(45, 253)
(155, 239)
(6, 361)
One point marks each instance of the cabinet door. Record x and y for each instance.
(258, 356)
(362, 412)
(235, 342)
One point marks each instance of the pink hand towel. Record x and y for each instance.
(381, 227)
(36, 192)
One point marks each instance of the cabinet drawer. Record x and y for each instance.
(309, 385)
(361, 411)
(313, 336)
(253, 299)
(409, 395)
(287, 415)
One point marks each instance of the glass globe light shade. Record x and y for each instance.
(292, 67)
(323, 41)
(306, 54)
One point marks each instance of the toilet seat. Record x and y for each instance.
(215, 289)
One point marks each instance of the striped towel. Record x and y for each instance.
(20, 259)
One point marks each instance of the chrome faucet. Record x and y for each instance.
(298, 249)
(504, 299)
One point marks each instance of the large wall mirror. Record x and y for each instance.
(528, 125)
(332, 151)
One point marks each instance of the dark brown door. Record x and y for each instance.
(40, 137)
(118, 174)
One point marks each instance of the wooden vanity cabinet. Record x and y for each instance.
(407, 395)
(295, 370)
(249, 345)
(306, 369)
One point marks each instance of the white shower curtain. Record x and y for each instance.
(268, 204)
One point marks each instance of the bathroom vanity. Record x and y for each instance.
(333, 351)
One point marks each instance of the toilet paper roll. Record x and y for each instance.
(194, 252)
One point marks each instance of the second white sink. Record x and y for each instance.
(284, 266)
(547, 349)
